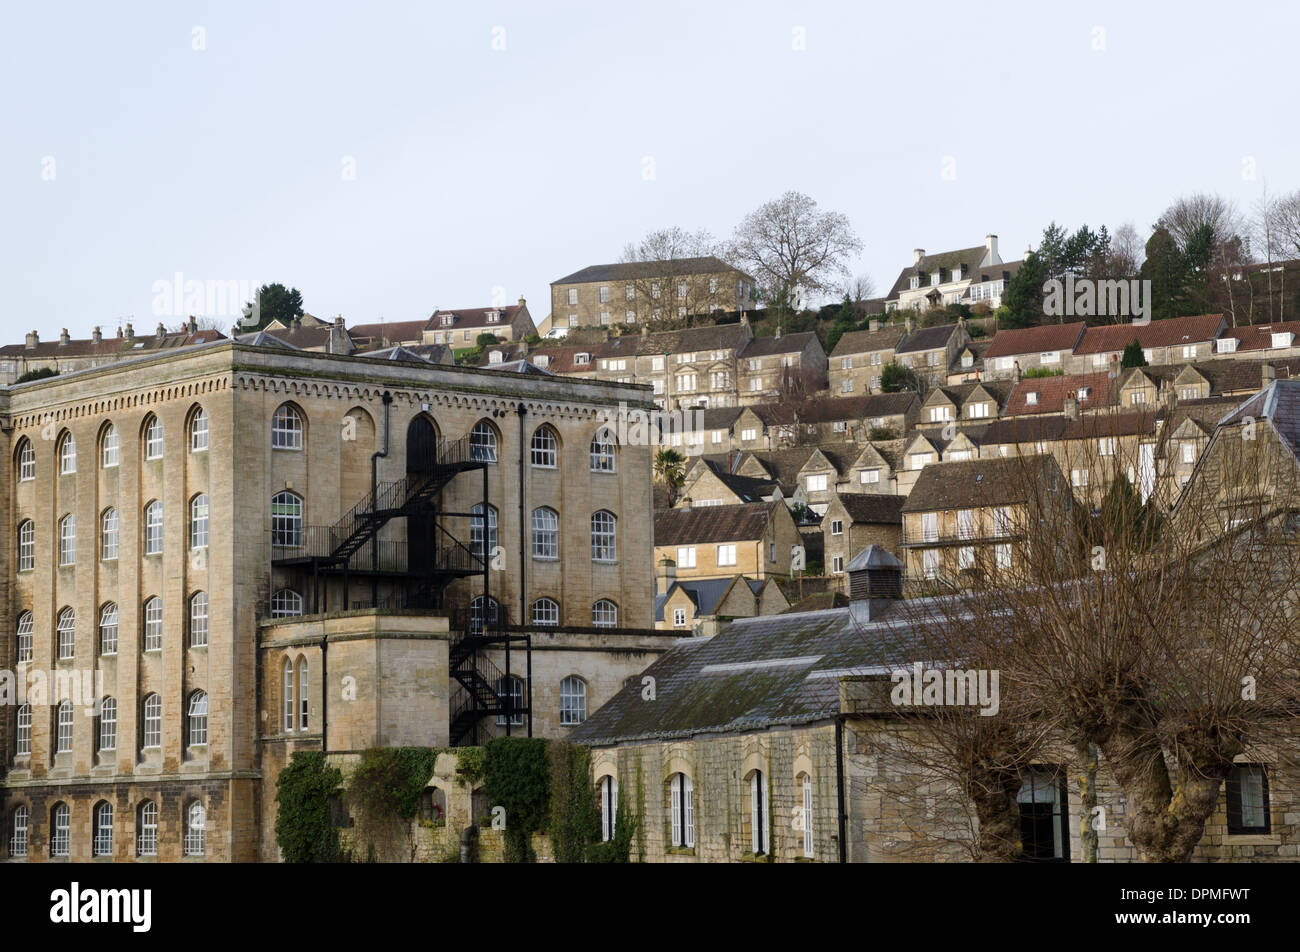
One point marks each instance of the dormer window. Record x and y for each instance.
(493, 316)
(916, 281)
(582, 359)
(967, 359)
(1084, 392)
(448, 319)
(1031, 398)
(1283, 339)
(542, 361)
(494, 357)
(1226, 345)
(936, 278)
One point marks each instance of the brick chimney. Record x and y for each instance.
(64, 338)
(665, 575)
(33, 339)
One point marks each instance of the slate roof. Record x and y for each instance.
(302, 336)
(747, 488)
(1035, 340)
(464, 318)
(927, 338)
(1167, 333)
(628, 271)
(864, 342)
(560, 360)
(873, 508)
(1279, 403)
(993, 481)
(685, 340)
(704, 593)
(394, 353)
(387, 331)
(705, 524)
(756, 673)
(1028, 429)
(785, 344)
(720, 418)
(108, 347)
(832, 409)
(942, 261)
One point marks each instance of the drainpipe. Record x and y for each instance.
(839, 788)
(324, 696)
(523, 565)
(374, 488)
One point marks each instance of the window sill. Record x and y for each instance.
(1253, 839)
(756, 857)
(680, 851)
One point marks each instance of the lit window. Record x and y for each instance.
(108, 629)
(195, 819)
(199, 620)
(286, 520)
(108, 535)
(546, 534)
(67, 634)
(483, 443)
(604, 614)
(153, 624)
(199, 432)
(546, 611)
(153, 439)
(545, 448)
(63, 731)
(153, 528)
(198, 719)
(67, 455)
(199, 521)
(573, 700)
(604, 546)
(286, 429)
(286, 603)
(108, 724)
(152, 735)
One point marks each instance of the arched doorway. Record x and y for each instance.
(421, 457)
(421, 446)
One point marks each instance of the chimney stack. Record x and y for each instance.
(522, 302)
(1072, 407)
(130, 331)
(875, 582)
(96, 335)
(1267, 375)
(162, 331)
(665, 575)
(917, 255)
(873, 325)
(907, 325)
(64, 338)
(991, 249)
(193, 325)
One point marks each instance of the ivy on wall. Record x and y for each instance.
(304, 828)
(575, 822)
(516, 777)
(383, 796)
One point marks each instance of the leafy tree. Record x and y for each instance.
(1167, 269)
(274, 302)
(1022, 299)
(896, 378)
(40, 374)
(1133, 356)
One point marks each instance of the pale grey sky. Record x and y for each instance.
(503, 145)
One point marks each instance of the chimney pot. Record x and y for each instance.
(130, 332)
(162, 331)
(97, 335)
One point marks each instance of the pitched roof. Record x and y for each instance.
(784, 465)
(785, 344)
(1279, 403)
(864, 342)
(927, 338)
(873, 508)
(1052, 391)
(993, 481)
(392, 332)
(685, 340)
(1260, 336)
(705, 593)
(947, 261)
(109, 347)
(561, 360)
(1030, 429)
(469, 317)
(633, 270)
(834, 409)
(1035, 340)
(1167, 333)
(318, 335)
(712, 524)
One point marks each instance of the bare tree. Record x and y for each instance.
(860, 288)
(1127, 250)
(793, 248)
(671, 284)
(1189, 212)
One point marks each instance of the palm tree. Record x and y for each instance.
(670, 469)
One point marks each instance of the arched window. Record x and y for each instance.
(483, 443)
(26, 460)
(681, 807)
(147, 837)
(288, 695)
(286, 520)
(804, 783)
(67, 455)
(66, 629)
(153, 528)
(153, 438)
(60, 829)
(199, 521)
(516, 696)
(23, 731)
(304, 695)
(608, 790)
(199, 431)
(476, 613)
(103, 844)
(108, 629)
(26, 641)
(602, 451)
(573, 700)
(26, 545)
(110, 448)
(546, 611)
(199, 620)
(68, 539)
(63, 728)
(151, 735)
(545, 448)
(198, 719)
(18, 831)
(153, 624)
(286, 603)
(476, 530)
(108, 724)
(604, 614)
(759, 819)
(195, 819)
(546, 533)
(286, 429)
(604, 544)
(108, 535)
